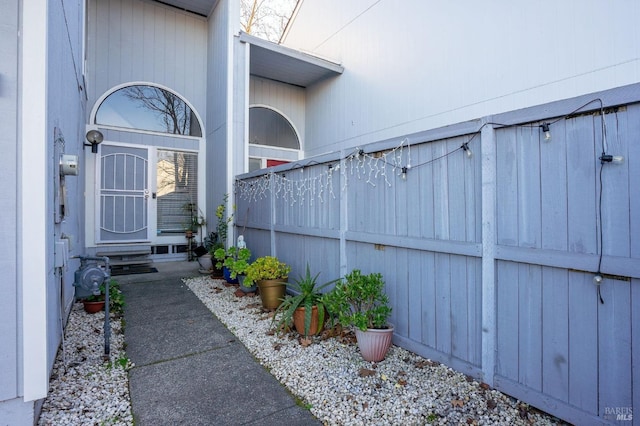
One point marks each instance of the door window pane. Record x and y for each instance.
(177, 190)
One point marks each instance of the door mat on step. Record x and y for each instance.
(131, 270)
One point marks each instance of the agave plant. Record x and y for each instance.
(307, 294)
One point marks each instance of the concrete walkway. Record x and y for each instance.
(189, 369)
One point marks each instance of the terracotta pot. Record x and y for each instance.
(272, 292)
(374, 343)
(298, 321)
(93, 307)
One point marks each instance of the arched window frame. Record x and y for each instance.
(106, 94)
(283, 115)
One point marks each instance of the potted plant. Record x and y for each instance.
(233, 261)
(359, 301)
(218, 239)
(192, 223)
(95, 303)
(306, 307)
(270, 275)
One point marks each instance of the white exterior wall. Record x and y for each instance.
(414, 65)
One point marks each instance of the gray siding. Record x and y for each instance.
(8, 201)
(66, 107)
(286, 99)
(411, 66)
(132, 40)
(556, 345)
(219, 115)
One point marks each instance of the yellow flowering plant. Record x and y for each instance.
(266, 268)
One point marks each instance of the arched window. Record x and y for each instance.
(268, 127)
(151, 108)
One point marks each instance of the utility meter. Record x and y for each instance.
(68, 165)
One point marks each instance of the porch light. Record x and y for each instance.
(95, 137)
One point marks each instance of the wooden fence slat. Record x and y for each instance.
(555, 333)
(614, 346)
(583, 342)
(529, 330)
(507, 326)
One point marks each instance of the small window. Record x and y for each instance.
(148, 108)
(267, 127)
(255, 164)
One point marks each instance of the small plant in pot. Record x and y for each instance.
(270, 274)
(234, 262)
(359, 301)
(95, 303)
(218, 239)
(305, 308)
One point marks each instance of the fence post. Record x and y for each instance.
(344, 217)
(489, 332)
(272, 214)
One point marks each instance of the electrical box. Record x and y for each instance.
(68, 165)
(61, 254)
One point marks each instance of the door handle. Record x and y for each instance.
(153, 195)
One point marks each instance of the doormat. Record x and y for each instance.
(132, 270)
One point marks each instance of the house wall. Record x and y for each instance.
(488, 260)
(220, 85)
(419, 65)
(42, 116)
(9, 350)
(133, 41)
(286, 99)
(138, 41)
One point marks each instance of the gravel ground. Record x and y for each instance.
(328, 376)
(340, 388)
(85, 390)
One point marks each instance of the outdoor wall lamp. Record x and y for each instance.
(95, 137)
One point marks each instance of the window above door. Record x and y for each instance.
(149, 108)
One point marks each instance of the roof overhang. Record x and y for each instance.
(276, 62)
(199, 7)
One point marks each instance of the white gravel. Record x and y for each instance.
(340, 388)
(84, 389)
(328, 376)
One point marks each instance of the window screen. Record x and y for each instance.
(177, 190)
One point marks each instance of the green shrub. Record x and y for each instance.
(359, 300)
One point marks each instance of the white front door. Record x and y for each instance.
(123, 202)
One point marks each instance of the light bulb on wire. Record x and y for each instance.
(403, 175)
(547, 132)
(615, 159)
(467, 150)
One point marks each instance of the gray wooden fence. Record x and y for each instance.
(489, 259)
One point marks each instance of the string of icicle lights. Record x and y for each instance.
(299, 185)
